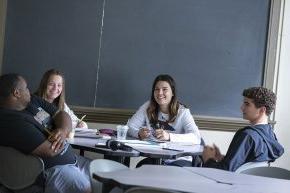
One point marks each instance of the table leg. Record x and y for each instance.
(157, 161)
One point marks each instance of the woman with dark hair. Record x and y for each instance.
(164, 117)
(52, 89)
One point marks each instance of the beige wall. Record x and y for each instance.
(282, 115)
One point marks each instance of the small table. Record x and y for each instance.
(88, 144)
(158, 155)
(192, 179)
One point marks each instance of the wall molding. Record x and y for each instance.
(120, 116)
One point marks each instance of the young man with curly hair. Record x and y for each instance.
(254, 143)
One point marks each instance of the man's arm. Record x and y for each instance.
(62, 127)
(237, 154)
(54, 144)
(46, 150)
(62, 122)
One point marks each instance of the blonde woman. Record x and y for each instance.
(52, 89)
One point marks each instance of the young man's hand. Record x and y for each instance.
(208, 153)
(218, 155)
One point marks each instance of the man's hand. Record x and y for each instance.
(218, 155)
(162, 135)
(208, 153)
(57, 139)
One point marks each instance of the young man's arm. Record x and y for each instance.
(238, 152)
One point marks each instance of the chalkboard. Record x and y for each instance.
(111, 50)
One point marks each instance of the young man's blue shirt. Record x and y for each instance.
(251, 144)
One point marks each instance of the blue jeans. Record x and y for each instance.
(70, 178)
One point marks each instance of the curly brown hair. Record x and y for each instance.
(261, 97)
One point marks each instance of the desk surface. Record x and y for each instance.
(190, 179)
(88, 144)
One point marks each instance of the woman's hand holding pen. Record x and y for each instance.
(161, 134)
(143, 133)
(81, 123)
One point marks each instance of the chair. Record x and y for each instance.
(103, 165)
(272, 172)
(19, 171)
(249, 165)
(148, 190)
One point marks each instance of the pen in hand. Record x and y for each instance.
(50, 135)
(49, 132)
(82, 118)
(81, 123)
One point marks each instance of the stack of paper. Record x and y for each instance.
(87, 133)
(146, 144)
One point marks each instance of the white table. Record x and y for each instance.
(190, 179)
(88, 144)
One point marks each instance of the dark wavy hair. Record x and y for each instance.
(41, 91)
(153, 109)
(261, 97)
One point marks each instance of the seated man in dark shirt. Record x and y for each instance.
(254, 143)
(34, 126)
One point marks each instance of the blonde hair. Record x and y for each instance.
(41, 91)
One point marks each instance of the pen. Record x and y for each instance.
(49, 133)
(164, 148)
(82, 118)
(50, 136)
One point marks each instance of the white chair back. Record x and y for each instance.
(272, 172)
(249, 165)
(103, 165)
(148, 190)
